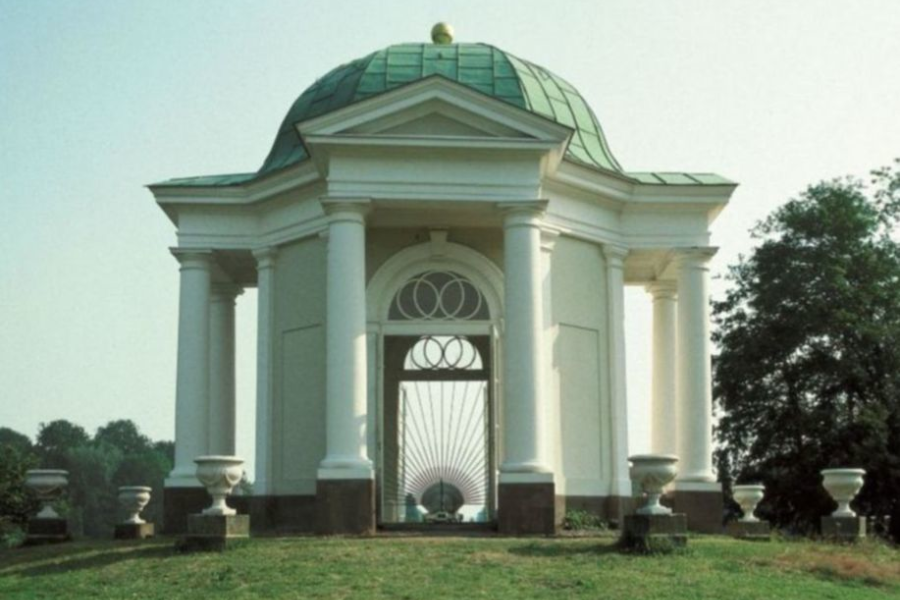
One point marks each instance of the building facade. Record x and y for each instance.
(440, 238)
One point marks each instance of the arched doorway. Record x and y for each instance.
(436, 408)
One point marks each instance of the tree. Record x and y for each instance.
(808, 369)
(124, 436)
(16, 502)
(19, 441)
(55, 439)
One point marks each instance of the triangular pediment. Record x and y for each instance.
(434, 108)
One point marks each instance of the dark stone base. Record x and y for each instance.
(527, 509)
(214, 532)
(282, 515)
(134, 531)
(345, 507)
(844, 529)
(178, 503)
(654, 533)
(46, 531)
(611, 509)
(758, 531)
(704, 510)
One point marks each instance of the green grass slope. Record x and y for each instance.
(440, 567)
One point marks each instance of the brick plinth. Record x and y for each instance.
(345, 507)
(527, 509)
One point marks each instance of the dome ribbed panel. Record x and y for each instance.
(478, 66)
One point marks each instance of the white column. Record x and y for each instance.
(523, 366)
(664, 421)
(551, 370)
(192, 381)
(221, 368)
(618, 396)
(345, 329)
(265, 311)
(694, 368)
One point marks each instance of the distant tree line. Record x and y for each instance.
(117, 454)
(807, 374)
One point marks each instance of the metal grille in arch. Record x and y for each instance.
(439, 296)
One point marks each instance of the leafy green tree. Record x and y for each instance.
(808, 370)
(20, 441)
(124, 436)
(54, 441)
(17, 503)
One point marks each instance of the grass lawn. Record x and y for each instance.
(444, 567)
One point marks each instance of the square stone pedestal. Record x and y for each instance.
(701, 501)
(134, 531)
(345, 507)
(843, 529)
(214, 532)
(47, 531)
(526, 505)
(654, 533)
(758, 531)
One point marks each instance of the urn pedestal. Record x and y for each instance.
(843, 529)
(654, 533)
(47, 527)
(749, 527)
(654, 527)
(133, 499)
(843, 525)
(218, 527)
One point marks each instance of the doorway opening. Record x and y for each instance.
(437, 454)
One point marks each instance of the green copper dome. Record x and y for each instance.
(481, 67)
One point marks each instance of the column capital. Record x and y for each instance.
(615, 255)
(548, 239)
(197, 258)
(265, 257)
(346, 209)
(525, 213)
(663, 289)
(225, 291)
(694, 256)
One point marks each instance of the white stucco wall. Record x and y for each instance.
(299, 373)
(579, 309)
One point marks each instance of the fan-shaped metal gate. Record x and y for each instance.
(437, 460)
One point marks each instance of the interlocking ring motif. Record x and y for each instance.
(455, 353)
(439, 296)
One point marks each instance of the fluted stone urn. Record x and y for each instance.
(843, 485)
(219, 474)
(48, 485)
(652, 472)
(133, 499)
(748, 496)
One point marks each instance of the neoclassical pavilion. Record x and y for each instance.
(440, 238)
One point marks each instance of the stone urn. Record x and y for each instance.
(133, 499)
(748, 496)
(843, 485)
(652, 472)
(219, 474)
(48, 485)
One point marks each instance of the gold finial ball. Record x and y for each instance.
(442, 33)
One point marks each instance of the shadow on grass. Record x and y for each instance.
(101, 557)
(551, 549)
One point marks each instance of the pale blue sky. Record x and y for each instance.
(98, 98)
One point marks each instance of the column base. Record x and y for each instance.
(702, 502)
(46, 531)
(133, 531)
(282, 515)
(528, 507)
(345, 507)
(844, 529)
(214, 533)
(757, 531)
(178, 503)
(654, 533)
